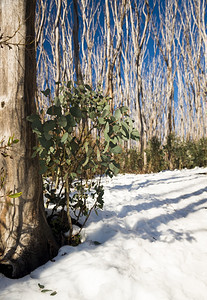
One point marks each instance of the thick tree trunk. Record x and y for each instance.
(25, 237)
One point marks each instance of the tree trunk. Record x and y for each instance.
(25, 237)
(76, 43)
(57, 47)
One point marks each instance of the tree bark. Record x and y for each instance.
(76, 44)
(140, 39)
(114, 42)
(57, 47)
(25, 237)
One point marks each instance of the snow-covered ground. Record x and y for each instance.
(149, 243)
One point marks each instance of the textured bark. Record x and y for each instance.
(90, 12)
(167, 45)
(140, 39)
(114, 42)
(25, 237)
(57, 47)
(194, 52)
(76, 44)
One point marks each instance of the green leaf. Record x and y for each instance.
(114, 168)
(116, 128)
(86, 146)
(16, 195)
(92, 115)
(70, 121)
(99, 108)
(62, 121)
(135, 134)
(43, 167)
(45, 143)
(45, 291)
(37, 132)
(15, 141)
(37, 125)
(130, 124)
(54, 111)
(104, 157)
(48, 126)
(41, 286)
(106, 147)
(57, 101)
(48, 136)
(74, 147)
(106, 136)
(88, 87)
(101, 120)
(117, 114)
(113, 119)
(114, 140)
(124, 109)
(106, 111)
(69, 84)
(64, 137)
(52, 150)
(98, 154)
(107, 127)
(46, 92)
(73, 175)
(33, 117)
(125, 129)
(76, 112)
(53, 293)
(106, 130)
(86, 161)
(116, 150)
(125, 125)
(34, 154)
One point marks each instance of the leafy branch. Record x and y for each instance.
(72, 153)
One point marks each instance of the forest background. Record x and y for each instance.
(148, 55)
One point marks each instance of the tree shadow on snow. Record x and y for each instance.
(139, 184)
(152, 228)
(155, 228)
(149, 228)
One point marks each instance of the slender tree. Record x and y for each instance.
(166, 42)
(90, 12)
(194, 63)
(76, 43)
(114, 40)
(139, 38)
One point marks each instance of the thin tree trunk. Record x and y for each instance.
(57, 47)
(113, 44)
(76, 43)
(139, 39)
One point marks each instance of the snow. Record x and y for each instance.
(148, 243)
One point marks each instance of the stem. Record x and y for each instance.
(86, 219)
(57, 178)
(90, 211)
(68, 210)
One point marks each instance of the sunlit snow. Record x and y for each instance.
(149, 243)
